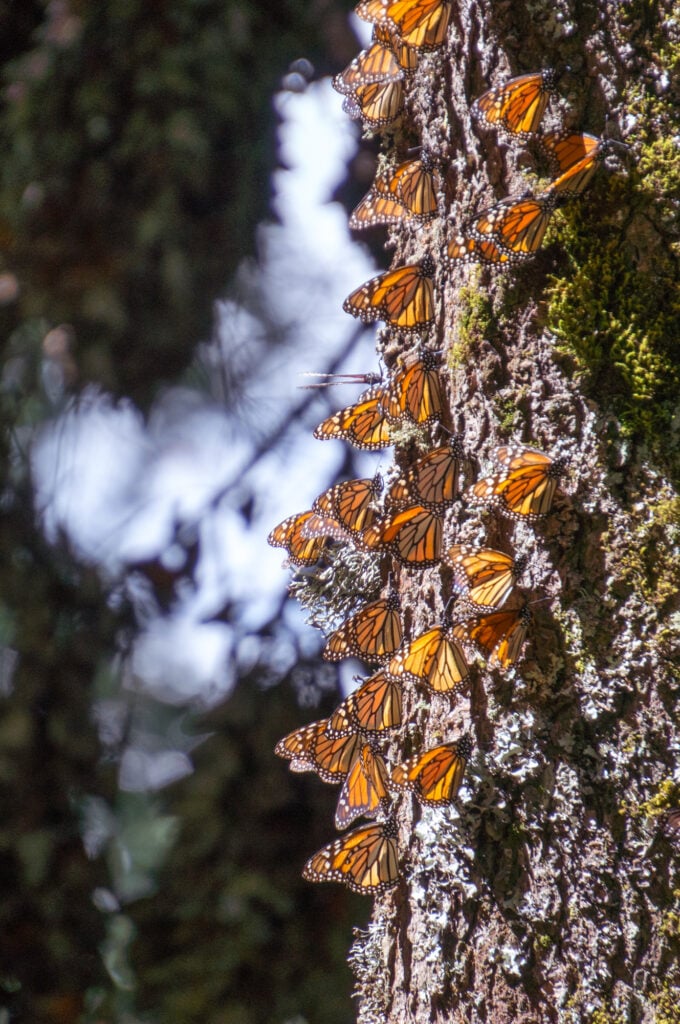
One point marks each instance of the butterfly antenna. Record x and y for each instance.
(339, 378)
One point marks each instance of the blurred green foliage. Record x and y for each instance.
(138, 141)
(234, 934)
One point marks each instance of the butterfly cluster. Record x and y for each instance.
(410, 517)
(512, 230)
(405, 524)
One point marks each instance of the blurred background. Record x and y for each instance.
(174, 253)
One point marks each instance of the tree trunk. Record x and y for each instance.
(550, 893)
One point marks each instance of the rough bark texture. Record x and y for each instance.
(551, 892)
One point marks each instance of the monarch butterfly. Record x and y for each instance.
(516, 226)
(415, 391)
(413, 536)
(574, 179)
(289, 534)
(564, 149)
(364, 791)
(525, 486)
(403, 297)
(519, 104)
(406, 193)
(420, 23)
(405, 55)
(364, 425)
(349, 505)
(312, 749)
(373, 707)
(373, 634)
(376, 103)
(468, 249)
(365, 860)
(377, 64)
(431, 481)
(435, 658)
(574, 157)
(485, 576)
(435, 776)
(500, 635)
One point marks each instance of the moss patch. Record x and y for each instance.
(615, 308)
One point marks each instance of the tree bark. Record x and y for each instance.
(550, 892)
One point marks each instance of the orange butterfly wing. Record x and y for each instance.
(421, 23)
(378, 208)
(500, 635)
(405, 193)
(415, 391)
(364, 791)
(413, 183)
(435, 658)
(376, 64)
(519, 104)
(350, 503)
(435, 776)
(431, 481)
(298, 745)
(573, 181)
(373, 634)
(364, 425)
(374, 11)
(469, 249)
(365, 860)
(403, 297)
(516, 226)
(485, 576)
(374, 707)
(525, 487)
(405, 55)
(312, 749)
(413, 536)
(564, 149)
(289, 534)
(376, 103)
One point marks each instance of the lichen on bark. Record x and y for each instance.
(550, 892)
